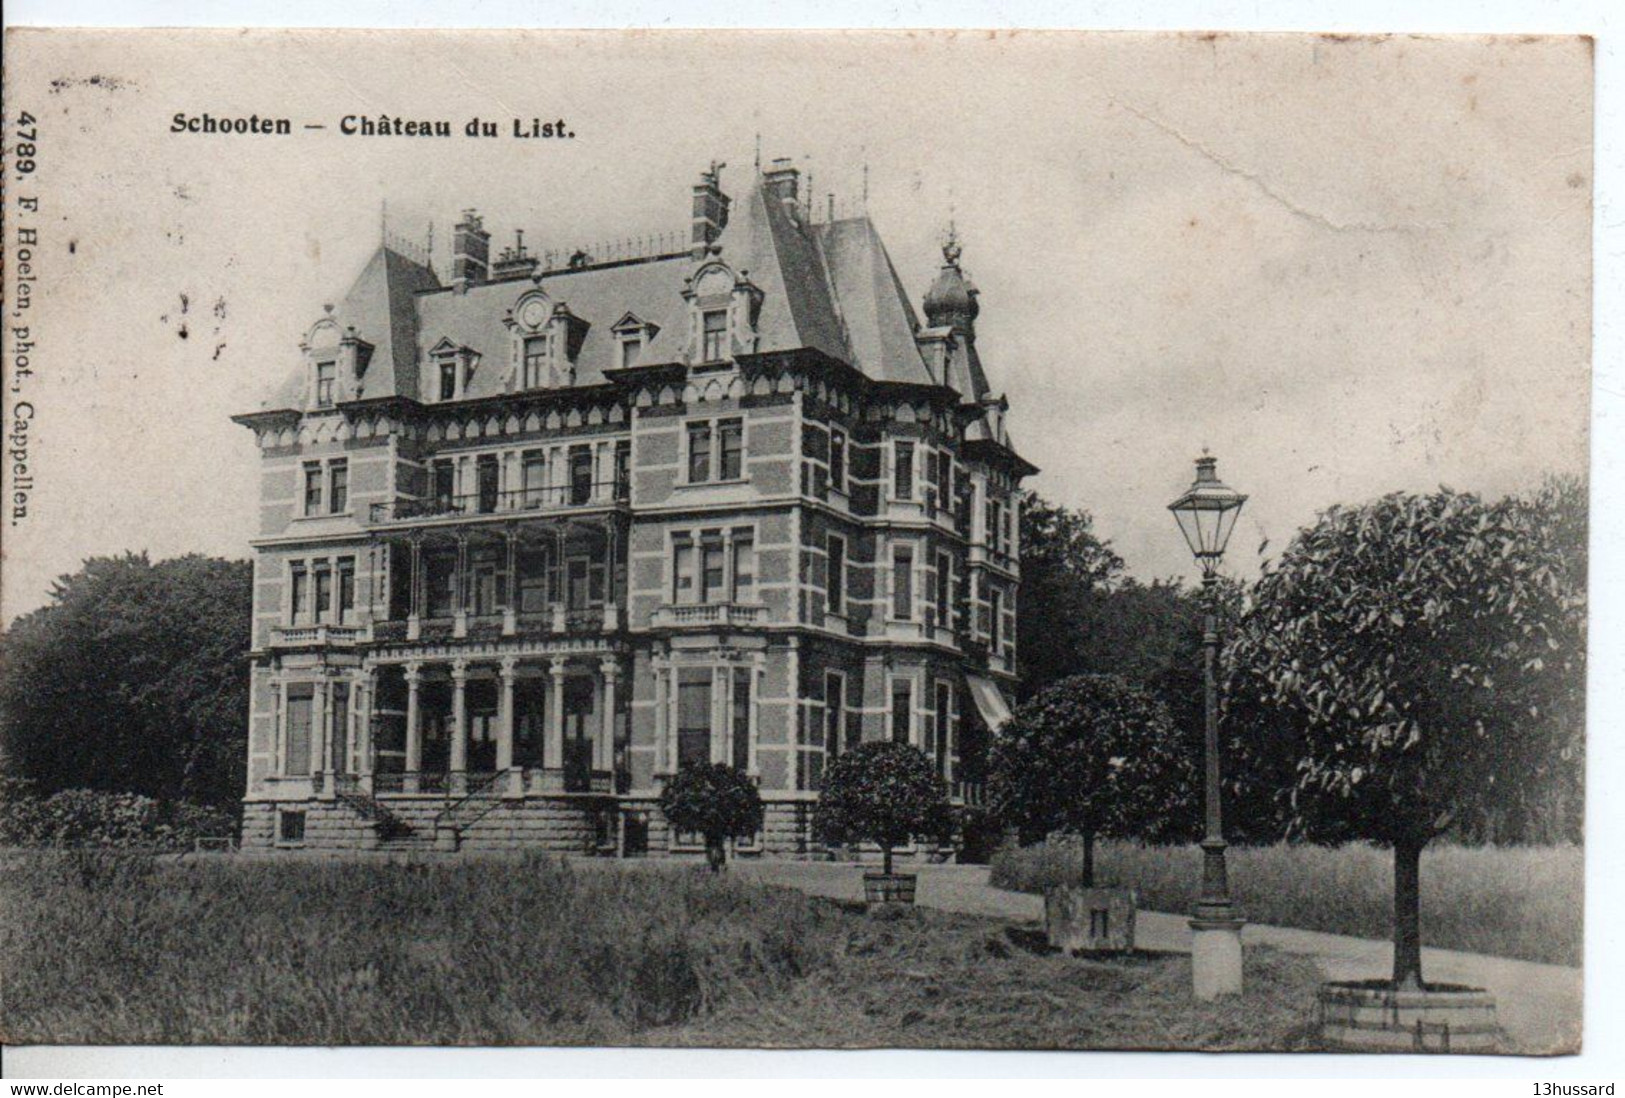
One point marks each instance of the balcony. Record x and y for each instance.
(318, 636)
(557, 620)
(518, 502)
(710, 615)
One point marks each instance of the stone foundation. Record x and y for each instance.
(582, 824)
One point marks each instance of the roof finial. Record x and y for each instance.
(951, 249)
(383, 220)
(758, 152)
(866, 185)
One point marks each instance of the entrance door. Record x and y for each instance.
(580, 723)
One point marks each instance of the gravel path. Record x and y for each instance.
(1539, 1006)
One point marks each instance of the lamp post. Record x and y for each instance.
(1207, 514)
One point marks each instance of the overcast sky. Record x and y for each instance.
(1347, 267)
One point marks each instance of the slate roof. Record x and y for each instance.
(830, 287)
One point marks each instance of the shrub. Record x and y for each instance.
(1093, 756)
(884, 793)
(87, 818)
(718, 801)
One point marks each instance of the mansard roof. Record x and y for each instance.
(829, 287)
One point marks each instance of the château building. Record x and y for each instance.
(535, 538)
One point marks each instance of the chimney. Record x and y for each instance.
(710, 209)
(782, 180)
(470, 251)
(515, 261)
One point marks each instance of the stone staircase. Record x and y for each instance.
(391, 829)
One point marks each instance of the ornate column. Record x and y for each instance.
(459, 723)
(414, 728)
(318, 732)
(511, 781)
(414, 616)
(611, 670)
(365, 690)
(662, 753)
(461, 588)
(510, 605)
(553, 745)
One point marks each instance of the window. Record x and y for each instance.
(441, 583)
(836, 584)
(712, 562)
(744, 549)
(290, 826)
(296, 751)
(902, 585)
(903, 470)
(945, 693)
(930, 482)
(693, 716)
(536, 357)
(324, 592)
(346, 591)
(532, 583)
(713, 335)
(732, 433)
(448, 379)
(623, 469)
(338, 745)
(834, 711)
(535, 474)
(580, 475)
(945, 474)
(313, 488)
(902, 704)
(577, 583)
(995, 614)
(338, 486)
(837, 460)
(741, 714)
(485, 479)
(325, 372)
(300, 595)
(445, 484)
(684, 590)
(699, 452)
(944, 589)
(631, 351)
(995, 525)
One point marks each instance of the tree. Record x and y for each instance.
(1063, 565)
(1098, 757)
(1413, 657)
(885, 793)
(718, 801)
(134, 678)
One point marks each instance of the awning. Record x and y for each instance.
(989, 701)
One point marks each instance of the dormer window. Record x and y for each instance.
(453, 370)
(632, 337)
(326, 372)
(536, 361)
(713, 335)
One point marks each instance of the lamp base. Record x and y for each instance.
(1215, 957)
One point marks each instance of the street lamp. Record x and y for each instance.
(1207, 514)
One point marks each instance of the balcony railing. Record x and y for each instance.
(710, 615)
(290, 635)
(970, 794)
(565, 497)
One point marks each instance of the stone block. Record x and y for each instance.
(1089, 920)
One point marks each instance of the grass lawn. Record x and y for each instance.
(98, 948)
(1520, 902)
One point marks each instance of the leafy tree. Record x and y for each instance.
(1098, 757)
(718, 801)
(134, 678)
(885, 793)
(1413, 658)
(1063, 564)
